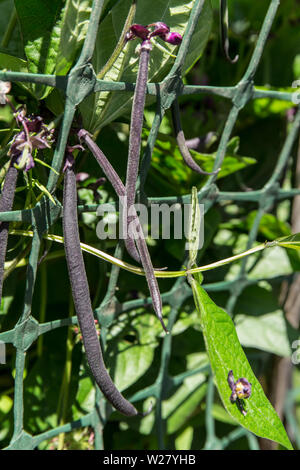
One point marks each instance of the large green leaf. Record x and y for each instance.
(268, 332)
(129, 359)
(184, 403)
(131, 363)
(11, 62)
(225, 354)
(40, 25)
(14, 45)
(100, 109)
(75, 21)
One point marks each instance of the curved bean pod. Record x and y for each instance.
(224, 32)
(181, 142)
(82, 301)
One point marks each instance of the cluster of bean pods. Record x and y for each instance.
(34, 134)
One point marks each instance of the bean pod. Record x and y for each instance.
(82, 301)
(6, 203)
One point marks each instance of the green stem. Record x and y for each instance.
(43, 305)
(65, 386)
(120, 44)
(133, 269)
(10, 29)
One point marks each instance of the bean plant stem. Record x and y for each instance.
(65, 387)
(43, 305)
(159, 274)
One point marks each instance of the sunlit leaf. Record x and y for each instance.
(225, 354)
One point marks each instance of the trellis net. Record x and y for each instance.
(78, 84)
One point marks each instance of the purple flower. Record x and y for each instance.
(173, 38)
(34, 135)
(163, 31)
(160, 29)
(138, 31)
(241, 389)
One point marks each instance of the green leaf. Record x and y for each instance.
(85, 396)
(185, 401)
(226, 353)
(75, 21)
(270, 226)
(132, 348)
(100, 109)
(40, 26)
(293, 241)
(14, 46)
(11, 62)
(132, 362)
(185, 439)
(267, 332)
(263, 107)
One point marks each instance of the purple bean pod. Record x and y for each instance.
(120, 190)
(136, 125)
(6, 204)
(82, 301)
(115, 181)
(181, 142)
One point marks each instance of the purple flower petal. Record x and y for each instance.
(173, 38)
(30, 162)
(160, 29)
(138, 31)
(34, 123)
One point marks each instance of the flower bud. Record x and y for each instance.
(173, 38)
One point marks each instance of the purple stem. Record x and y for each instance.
(181, 142)
(6, 203)
(82, 301)
(119, 188)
